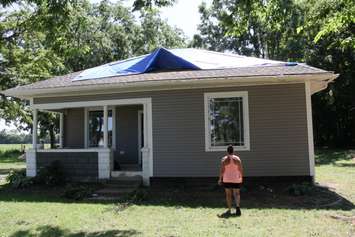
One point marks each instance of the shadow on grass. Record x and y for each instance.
(55, 231)
(325, 157)
(253, 197)
(345, 164)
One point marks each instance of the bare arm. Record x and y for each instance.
(241, 168)
(221, 171)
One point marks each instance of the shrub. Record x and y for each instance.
(18, 179)
(51, 175)
(77, 191)
(139, 195)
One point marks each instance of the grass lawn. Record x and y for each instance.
(10, 158)
(181, 211)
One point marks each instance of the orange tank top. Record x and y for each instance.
(232, 172)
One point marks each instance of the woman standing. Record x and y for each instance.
(231, 178)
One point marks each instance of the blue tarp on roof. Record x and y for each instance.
(159, 60)
(163, 59)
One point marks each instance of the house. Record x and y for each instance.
(171, 114)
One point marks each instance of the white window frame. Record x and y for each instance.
(86, 121)
(244, 96)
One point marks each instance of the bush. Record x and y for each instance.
(51, 175)
(300, 189)
(139, 195)
(18, 179)
(77, 191)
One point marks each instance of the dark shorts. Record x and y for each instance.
(232, 185)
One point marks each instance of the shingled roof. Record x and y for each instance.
(271, 70)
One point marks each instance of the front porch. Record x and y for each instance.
(98, 140)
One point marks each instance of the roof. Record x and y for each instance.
(183, 64)
(173, 60)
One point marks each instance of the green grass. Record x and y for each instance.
(10, 158)
(181, 211)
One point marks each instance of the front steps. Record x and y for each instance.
(117, 188)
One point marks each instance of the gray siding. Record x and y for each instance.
(79, 166)
(278, 131)
(74, 128)
(127, 134)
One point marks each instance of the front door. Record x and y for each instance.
(129, 140)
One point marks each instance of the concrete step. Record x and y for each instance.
(125, 173)
(126, 180)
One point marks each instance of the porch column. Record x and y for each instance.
(34, 129)
(105, 126)
(61, 129)
(31, 164)
(146, 149)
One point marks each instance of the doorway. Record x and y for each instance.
(129, 137)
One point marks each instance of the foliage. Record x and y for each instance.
(260, 28)
(149, 4)
(330, 35)
(18, 179)
(51, 175)
(138, 196)
(43, 38)
(320, 33)
(14, 137)
(77, 191)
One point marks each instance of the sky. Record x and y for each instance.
(183, 14)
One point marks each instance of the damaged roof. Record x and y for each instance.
(164, 65)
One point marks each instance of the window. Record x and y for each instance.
(226, 121)
(96, 128)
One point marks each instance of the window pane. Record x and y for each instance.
(96, 129)
(226, 121)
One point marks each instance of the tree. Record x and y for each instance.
(40, 39)
(149, 4)
(266, 29)
(155, 32)
(329, 30)
(320, 33)
(24, 60)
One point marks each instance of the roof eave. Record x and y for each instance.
(168, 84)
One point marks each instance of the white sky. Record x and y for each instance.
(183, 14)
(4, 126)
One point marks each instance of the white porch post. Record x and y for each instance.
(145, 149)
(34, 129)
(31, 166)
(86, 127)
(104, 155)
(61, 129)
(105, 126)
